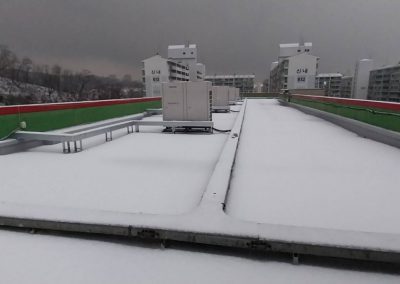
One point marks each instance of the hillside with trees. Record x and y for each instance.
(24, 82)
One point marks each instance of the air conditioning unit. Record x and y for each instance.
(220, 98)
(187, 101)
(237, 94)
(234, 94)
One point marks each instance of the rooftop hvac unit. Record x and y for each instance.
(233, 94)
(220, 98)
(187, 101)
(237, 94)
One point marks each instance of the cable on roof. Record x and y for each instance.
(222, 131)
(9, 134)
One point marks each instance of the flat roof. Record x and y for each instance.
(291, 169)
(387, 67)
(63, 260)
(139, 173)
(321, 168)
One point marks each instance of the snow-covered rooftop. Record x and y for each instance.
(291, 169)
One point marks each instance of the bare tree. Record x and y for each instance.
(56, 76)
(83, 78)
(8, 60)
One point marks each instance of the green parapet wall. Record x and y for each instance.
(57, 119)
(372, 115)
(259, 95)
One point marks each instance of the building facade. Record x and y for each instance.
(361, 79)
(330, 82)
(187, 55)
(346, 86)
(295, 69)
(243, 82)
(157, 70)
(181, 65)
(384, 84)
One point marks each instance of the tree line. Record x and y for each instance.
(57, 84)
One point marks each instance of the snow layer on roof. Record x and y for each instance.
(147, 172)
(296, 169)
(41, 259)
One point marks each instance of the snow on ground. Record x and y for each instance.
(147, 172)
(296, 169)
(44, 259)
(7, 87)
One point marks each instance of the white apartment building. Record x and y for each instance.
(330, 82)
(181, 65)
(291, 49)
(361, 79)
(346, 87)
(295, 69)
(245, 83)
(187, 55)
(384, 84)
(200, 71)
(157, 70)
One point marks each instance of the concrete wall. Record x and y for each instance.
(361, 79)
(302, 71)
(156, 72)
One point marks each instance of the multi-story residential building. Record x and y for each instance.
(157, 70)
(200, 71)
(361, 79)
(187, 55)
(244, 82)
(384, 84)
(181, 65)
(330, 83)
(346, 86)
(295, 69)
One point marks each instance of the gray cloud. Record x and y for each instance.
(242, 36)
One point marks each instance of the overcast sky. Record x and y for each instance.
(233, 36)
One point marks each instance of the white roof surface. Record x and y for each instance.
(296, 169)
(41, 259)
(291, 169)
(139, 173)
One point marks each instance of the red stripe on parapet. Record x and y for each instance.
(352, 102)
(75, 105)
